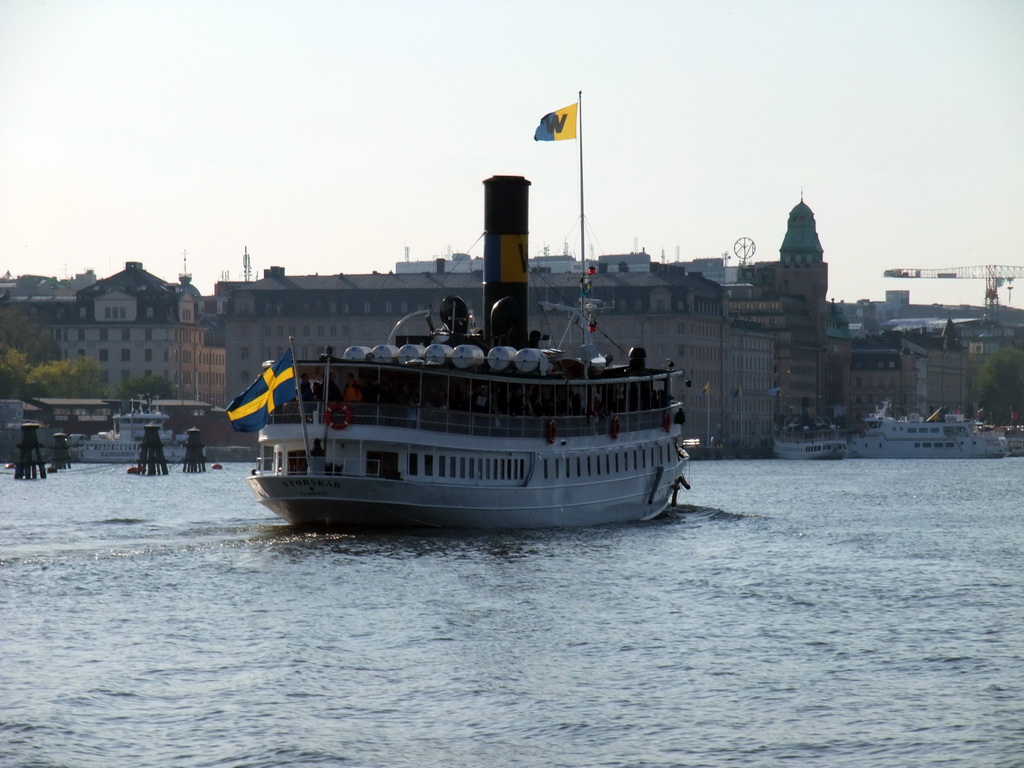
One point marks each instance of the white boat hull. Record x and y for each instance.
(474, 481)
(122, 453)
(813, 450)
(326, 500)
(881, 447)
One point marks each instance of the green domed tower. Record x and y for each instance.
(801, 244)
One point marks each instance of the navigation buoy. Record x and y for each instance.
(216, 466)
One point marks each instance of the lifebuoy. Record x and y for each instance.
(338, 415)
(666, 421)
(550, 432)
(616, 426)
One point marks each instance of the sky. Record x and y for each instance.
(330, 137)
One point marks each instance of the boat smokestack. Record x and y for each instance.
(506, 260)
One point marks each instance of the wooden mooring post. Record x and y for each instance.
(194, 459)
(30, 464)
(151, 455)
(61, 454)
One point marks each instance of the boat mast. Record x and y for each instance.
(583, 243)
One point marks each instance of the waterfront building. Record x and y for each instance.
(675, 316)
(788, 297)
(135, 324)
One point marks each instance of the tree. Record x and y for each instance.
(1001, 384)
(157, 387)
(21, 330)
(14, 370)
(82, 377)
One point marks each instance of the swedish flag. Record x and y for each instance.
(251, 409)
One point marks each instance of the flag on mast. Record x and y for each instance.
(275, 387)
(558, 125)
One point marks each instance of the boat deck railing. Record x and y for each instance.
(476, 424)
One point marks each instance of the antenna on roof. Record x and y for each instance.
(246, 265)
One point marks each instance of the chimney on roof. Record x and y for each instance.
(128, 265)
(273, 272)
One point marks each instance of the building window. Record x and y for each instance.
(126, 355)
(148, 355)
(103, 355)
(126, 334)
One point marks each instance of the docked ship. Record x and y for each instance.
(458, 427)
(123, 444)
(1015, 440)
(912, 437)
(817, 440)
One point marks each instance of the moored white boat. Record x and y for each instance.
(123, 444)
(912, 437)
(459, 428)
(816, 441)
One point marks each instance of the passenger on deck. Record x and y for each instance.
(353, 393)
(305, 388)
(333, 393)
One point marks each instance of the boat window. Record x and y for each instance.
(590, 470)
(451, 467)
(297, 462)
(522, 469)
(441, 461)
(414, 468)
(428, 465)
(616, 463)
(579, 466)
(462, 466)
(545, 469)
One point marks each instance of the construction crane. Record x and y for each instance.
(994, 276)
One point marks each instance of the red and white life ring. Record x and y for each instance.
(615, 428)
(666, 421)
(338, 415)
(550, 431)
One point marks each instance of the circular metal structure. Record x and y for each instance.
(744, 249)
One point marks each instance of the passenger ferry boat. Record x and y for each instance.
(816, 441)
(123, 444)
(912, 437)
(460, 428)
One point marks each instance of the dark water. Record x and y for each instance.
(858, 613)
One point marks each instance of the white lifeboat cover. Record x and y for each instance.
(410, 353)
(357, 353)
(437, 354)
(385, 353)
(532, 360)
(500, 358)
(467, 356)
